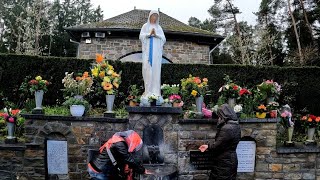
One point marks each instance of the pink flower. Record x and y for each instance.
(207, 113)
(269, 81)
(174, 97)
(11, 119)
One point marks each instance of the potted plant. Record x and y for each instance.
(310, 123)
(133, 97)
(36, 86)
(11, 117)
(153, 99)
(167, 91)
(230, 91)
(270, 90)
(194, 87)
(77, 106)
(176, 100)
(286, 122)
(261, 112)
(273, 109)
(107, 80)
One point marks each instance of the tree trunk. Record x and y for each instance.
(296, 32)
(238, 32)
(307, 21)
(37, 34)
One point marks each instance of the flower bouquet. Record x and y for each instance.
(38, 84)
(77, 86)
(261, 111)
(270, 89)
(104, 75)
(310, 122)
(11, 117)
(230, 91)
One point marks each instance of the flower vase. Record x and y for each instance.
(290, 133)
(110, 102)
(39, 97)
(10, 127)
(153, 103)
(270, 100)
(77, 110)
(199, 102)
(232, 102)
(273, 114)
(311, 132)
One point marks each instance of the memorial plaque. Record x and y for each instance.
(57, 157)
(246, 153)
(202, 160)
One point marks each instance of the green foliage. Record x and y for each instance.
(56, 110)
(121, 113)
(301, 84)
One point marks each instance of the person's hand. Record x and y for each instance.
(153, 33)
(203, 148)
(147, 171)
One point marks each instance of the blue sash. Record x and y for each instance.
(151, 50)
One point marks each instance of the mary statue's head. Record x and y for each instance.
(153, 18)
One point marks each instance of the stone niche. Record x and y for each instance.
(157, 126)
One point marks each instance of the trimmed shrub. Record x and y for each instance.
(301, 84)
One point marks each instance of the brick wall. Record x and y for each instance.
(176, 51)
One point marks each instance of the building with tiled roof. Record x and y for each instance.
(118, 39)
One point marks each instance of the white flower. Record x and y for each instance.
(237, 108)
(166, 100)
(5, 110)
(227, 86)
(220, 89)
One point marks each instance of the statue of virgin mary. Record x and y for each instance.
(153, 39)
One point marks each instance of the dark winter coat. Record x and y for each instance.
(226, 141)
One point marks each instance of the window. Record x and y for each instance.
(137, 57)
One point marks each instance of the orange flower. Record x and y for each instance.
(102, 74)
(115, 75)
(15, 111)
(99, 58)
(318, 119)
(107, 86)
(262, 107)
(304, 118)
(309, 120)
(78, 78)
(85, 75)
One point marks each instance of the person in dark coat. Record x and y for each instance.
(122, 145)
(226, 141)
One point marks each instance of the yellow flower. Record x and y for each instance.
(38, 78)
(106, 79)
(200, 85)
(95, 72)
(107, 86)
(194, 93)
(110, 72)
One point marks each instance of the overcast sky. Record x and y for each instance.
(179, 9)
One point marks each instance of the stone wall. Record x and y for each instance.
(27, 161)
(115, 48)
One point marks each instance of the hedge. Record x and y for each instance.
(301, 83)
